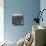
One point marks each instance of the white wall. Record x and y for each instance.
(1, 20)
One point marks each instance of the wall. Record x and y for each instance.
(1, 21)
(25, 7)
(43, 6)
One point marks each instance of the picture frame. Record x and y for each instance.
(18, 19)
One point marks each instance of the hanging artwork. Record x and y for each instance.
(18, 19)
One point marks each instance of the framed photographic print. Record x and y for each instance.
(18, 19)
